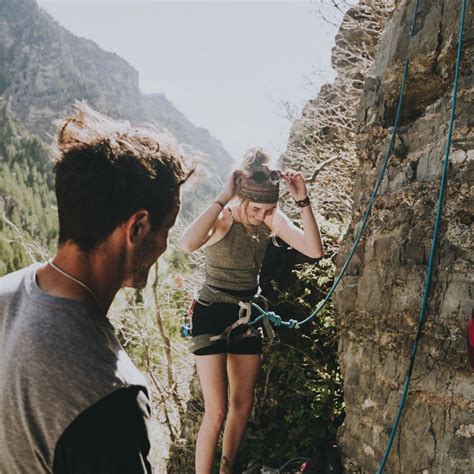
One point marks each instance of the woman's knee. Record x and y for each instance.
(216, 415)
(241, 407)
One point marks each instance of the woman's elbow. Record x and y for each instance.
(319, 254)
(315, 253)
(186, 246)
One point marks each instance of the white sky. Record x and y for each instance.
(226, 65)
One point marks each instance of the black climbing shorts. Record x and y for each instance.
(215, 318)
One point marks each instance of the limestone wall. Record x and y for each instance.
(378, 301)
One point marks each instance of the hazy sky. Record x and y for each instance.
(226, 65)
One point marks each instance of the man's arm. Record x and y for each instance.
(109, 437)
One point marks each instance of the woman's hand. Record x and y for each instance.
(296, 184)
(232, 186)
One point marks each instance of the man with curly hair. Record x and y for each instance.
(71, 400)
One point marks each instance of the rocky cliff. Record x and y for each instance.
(322, 142)
(44, 68)
(378, 301)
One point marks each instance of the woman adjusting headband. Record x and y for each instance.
(235, 231)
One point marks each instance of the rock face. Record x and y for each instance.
(44, 69)
(322, 141)
(379, 299)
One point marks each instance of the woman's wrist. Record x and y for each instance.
(222, 199)
(216, 201)
(302, 203)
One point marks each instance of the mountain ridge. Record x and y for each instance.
(44, 68)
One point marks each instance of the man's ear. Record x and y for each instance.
(137, 226)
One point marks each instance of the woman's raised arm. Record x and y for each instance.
(306, 240)
(204, 226)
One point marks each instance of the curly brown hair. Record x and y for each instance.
(106, 170)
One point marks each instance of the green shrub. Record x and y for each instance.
(299, 400)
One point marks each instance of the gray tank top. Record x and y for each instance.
(234, 262)
(57, 358)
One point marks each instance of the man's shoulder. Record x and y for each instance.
(10, 283)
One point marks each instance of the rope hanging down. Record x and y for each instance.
(434, 242)
(295, 324)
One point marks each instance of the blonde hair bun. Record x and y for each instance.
(256, 159)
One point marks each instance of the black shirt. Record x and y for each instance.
(110, 437)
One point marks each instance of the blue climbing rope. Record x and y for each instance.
(434, 242)
(275, 319)
(365, 219)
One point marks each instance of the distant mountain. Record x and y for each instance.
(160, 111)
(44, 68)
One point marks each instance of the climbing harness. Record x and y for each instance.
(209, 295)
(186, 327)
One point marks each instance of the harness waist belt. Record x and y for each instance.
(207, 296)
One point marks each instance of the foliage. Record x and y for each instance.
(148, 325)
(27, 202)
(299, 402)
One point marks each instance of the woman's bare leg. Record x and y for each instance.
(212, 375)
(242, 370)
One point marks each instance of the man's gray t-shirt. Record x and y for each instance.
(58, 357)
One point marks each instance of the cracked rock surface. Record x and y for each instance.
(378, 302)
